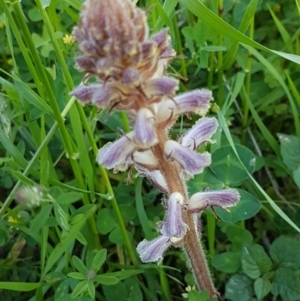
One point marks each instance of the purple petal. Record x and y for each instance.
(174, 225)
(197, 101)
(85, 64)
(223, 199)
(192, 162)
(153, 250)
(117, 153)
(155, 176)
(85, 93)
(200, 132)
(162, 86)
(145, 132)
(104, 96)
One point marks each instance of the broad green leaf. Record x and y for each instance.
(98, 260)
(194, 295)
(227, 167)
(285, 252)
(286, 283)
(117, 292)
(135, 293)
(239, 288)
(262, 287)
(105, 221)
(106, 280)
(255, 261)
(290, 150)
(79, 265)
(238, 236)
(116, 236)
(228, 262)
(128, 212)
(247, 207)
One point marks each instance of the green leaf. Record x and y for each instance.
(255, 261)
(80, 288)
(262, 287)
(91, 289)
(79, 265)
(290, 150)
(227, 167)
(296, 176)
(69, 197)
(247, 207)
(77, 275)
(285, 252)
(228, 262)
(238, 236)
(54, 277)
(98, 260)
(135, 293)
(19, 286)
(239, 288)
(117, 292)
(105, 221)
(116, 236)
(106, 280)
(286, 283)
(198, 296)
(128, 212)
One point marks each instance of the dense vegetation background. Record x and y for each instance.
(72, 232)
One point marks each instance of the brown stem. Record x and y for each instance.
(191, 244)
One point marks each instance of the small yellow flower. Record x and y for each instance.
(276, 8)
(2, 24)
(14, 220)
(10, 61)
(68, 39)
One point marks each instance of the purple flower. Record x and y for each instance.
(192, 162)
(223, 199)
(145, 132)
(153, 250)
(85, 93)
(161, 86)
(117, 154)
(201, 132)
(174, 225)
(197, 101)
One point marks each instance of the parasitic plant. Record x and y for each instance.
(130, 71)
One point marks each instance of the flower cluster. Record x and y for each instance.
(130, 71)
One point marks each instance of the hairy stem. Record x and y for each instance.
(191, 244)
